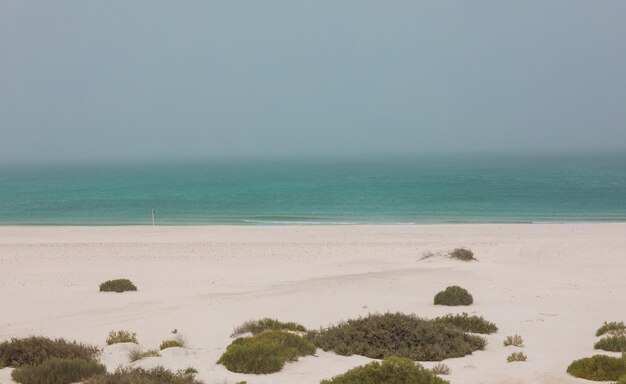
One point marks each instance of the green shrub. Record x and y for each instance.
(441, 369)
(35, 349)
(119, 285)
(157, 375)
(121, 337)
(138, 354)
(615, 343)
(265, 352)
(57, 371)
(598, 368)
(515, 340)
(467, 323)
(392, 370)
(378, 336)
(611, 328)
(257, 326)
(175, 342)
(622, 380)
(462, 254)
(454, 295)
(516, 356)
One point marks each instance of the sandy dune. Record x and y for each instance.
(552, 283)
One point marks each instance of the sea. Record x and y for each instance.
(441, 189)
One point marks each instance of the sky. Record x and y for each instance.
(135, 80)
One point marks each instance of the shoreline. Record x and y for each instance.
(321, 224)
(554, 284)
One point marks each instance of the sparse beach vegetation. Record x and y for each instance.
(118, 285)
(257, 326)
(516, 356)
(157, 375)
(36, 349)
(467, 323)
(462, 254)
(392, 370)
(612, 343)
(515, 340)
(599, 368)
(441, 369)
(380, 335)
(138, 354)
(611, 328)
(266, 352)
(190, 371)
(57, 371)
(453, 296)
(116, 337)
(177, 341)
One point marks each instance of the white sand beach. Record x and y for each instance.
(554, 284)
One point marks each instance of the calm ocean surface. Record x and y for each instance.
(487, 189)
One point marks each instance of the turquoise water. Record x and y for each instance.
(472, 189)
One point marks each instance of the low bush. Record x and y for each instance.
(467, 323)
(462, 254)
(441, 369)
(516, 356)
(622, 380)
(35, 349)
(138, 354)
(175, 342)
(266, 352)
(257, 326)
(378, 336)
(598, 368)
(57, 371)
(454, 295)
(614, 343)
(119, 285)
(157, 375)
(515, 340)
(392, 370)
(121, 337)
(611, 328)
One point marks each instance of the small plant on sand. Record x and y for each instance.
(138, 354)
(453, 295)
(189, 371)
(613, 343)
(392, 370)
(257, 326)
(441, 369)
(380, 335)
(57, 371)
(157, 375)
(611, 328)
(119, 285)
(35, 349)
(467, 323)
(462, 254)
(599, 368)
(516, 356)
(266, 352)
(116, 337)
(515, 340)
(177, 341)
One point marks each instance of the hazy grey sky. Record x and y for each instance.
(104, 80)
